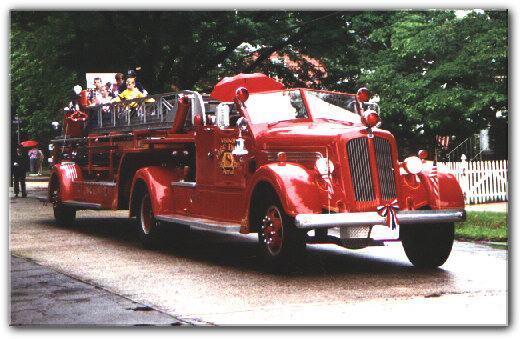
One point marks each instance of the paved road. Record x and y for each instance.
(216, 278)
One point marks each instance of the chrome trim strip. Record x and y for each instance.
(200, 223)
(97, 183)
(310, 221)
(294, 156)
(183, 184)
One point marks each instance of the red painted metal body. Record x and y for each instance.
(194, 173)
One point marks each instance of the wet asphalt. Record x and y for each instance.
(41, 296)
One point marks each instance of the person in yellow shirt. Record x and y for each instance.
(130, 93)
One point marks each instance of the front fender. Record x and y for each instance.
(157, 180)
(450, 192)
(418, 190)
(294, 184)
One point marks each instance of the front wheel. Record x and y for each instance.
(428, 245)
(281, 244)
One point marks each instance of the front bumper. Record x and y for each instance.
(313, 221)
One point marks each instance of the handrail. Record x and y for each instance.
(153, 110)
(468, 147)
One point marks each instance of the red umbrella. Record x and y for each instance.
(225, 90)
(29, 143)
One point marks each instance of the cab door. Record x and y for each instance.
(220, 176)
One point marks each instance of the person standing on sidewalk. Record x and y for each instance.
(19, 167)
(40, 162)
(33, 158)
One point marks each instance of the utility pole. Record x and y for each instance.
(17, 121)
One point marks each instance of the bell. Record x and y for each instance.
(239, 149)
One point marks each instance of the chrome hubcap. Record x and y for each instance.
(272, 230)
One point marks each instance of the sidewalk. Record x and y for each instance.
(489, 207)
(35, 178)
(41, 296)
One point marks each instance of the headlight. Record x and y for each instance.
(324, 166)
(413, 165)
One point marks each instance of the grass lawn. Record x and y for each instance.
(483, 226)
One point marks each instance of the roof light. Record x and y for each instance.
(363, 94)
(242, 94)
(370, 119)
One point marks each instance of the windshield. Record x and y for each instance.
(276, 106)
(335, 106)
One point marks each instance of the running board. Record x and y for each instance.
(82, 205)
(200, 223)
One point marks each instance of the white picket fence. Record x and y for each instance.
(481, 181)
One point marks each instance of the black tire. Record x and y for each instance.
(64, 215)
(281, 245)
(147, 223)
(427, 245)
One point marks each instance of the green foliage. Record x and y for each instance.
(434, 73)
(437, 74)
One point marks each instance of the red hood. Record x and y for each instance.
(292, 134)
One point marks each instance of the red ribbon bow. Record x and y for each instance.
(389, 211)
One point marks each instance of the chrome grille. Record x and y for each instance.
(383, 156)
(359, 162)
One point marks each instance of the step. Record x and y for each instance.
(82, 205)
(201, 223)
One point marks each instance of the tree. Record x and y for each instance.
(437, 74)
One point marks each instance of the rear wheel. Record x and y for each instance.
(147, 223)
(427, 245)
(281, 244)
(64, 215)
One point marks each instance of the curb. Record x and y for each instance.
(37, 178)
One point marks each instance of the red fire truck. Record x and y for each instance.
(295, 166)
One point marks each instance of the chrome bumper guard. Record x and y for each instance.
(311, 221)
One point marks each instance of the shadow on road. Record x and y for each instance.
(240, 251)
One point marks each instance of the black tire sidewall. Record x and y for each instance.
(429, 245)
(64, 215)
(148, 240)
